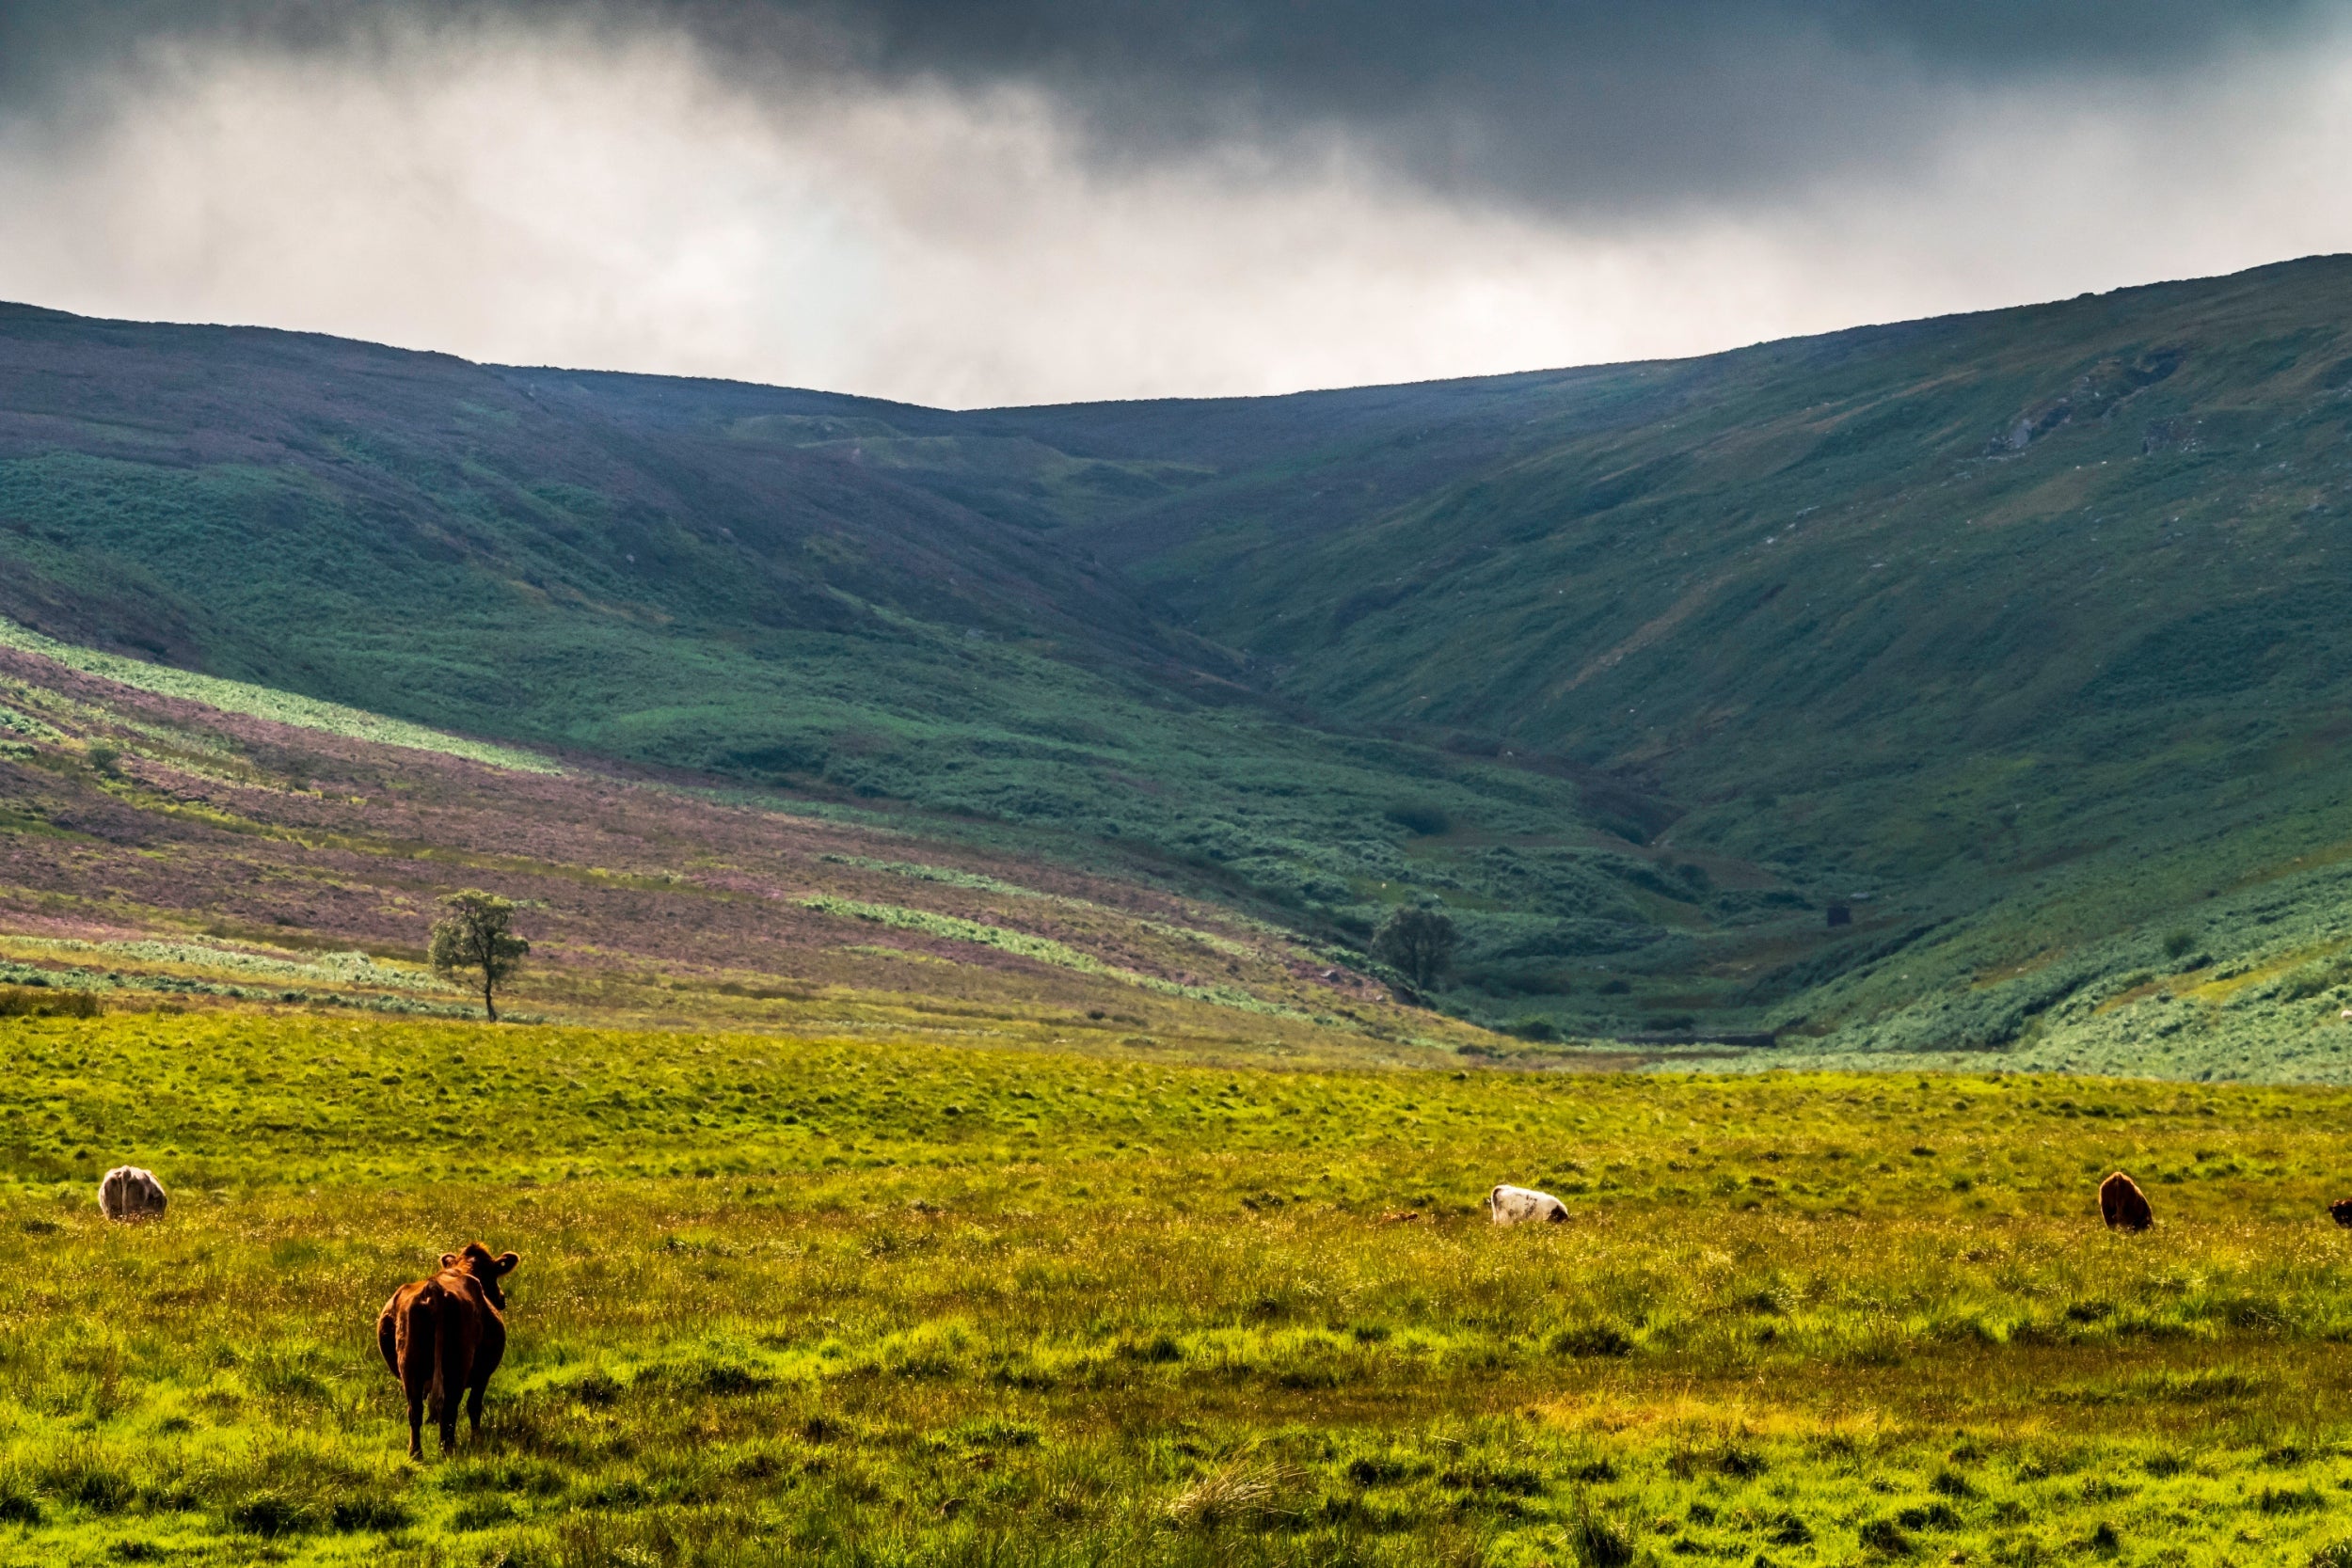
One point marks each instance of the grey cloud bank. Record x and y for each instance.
(959, 203)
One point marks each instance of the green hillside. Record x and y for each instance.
(2024, 623)
(704, 578)
(2016, 634)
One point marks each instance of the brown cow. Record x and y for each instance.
(2122, 1205)
(446, 1334)
(2342, 1210)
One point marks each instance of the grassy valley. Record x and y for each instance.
(950, 1116)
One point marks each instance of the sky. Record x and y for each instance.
(973, 202)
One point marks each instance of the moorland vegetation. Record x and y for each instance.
(972, 1099)
(2013, 635)
(850, 1301)
(152, 847)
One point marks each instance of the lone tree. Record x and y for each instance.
(1418, 943)
(472, 936)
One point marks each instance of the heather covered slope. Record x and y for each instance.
(157, 848)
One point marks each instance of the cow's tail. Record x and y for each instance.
(453, 1337)
(422, 1350)
(387, 1333)
(432, 1316)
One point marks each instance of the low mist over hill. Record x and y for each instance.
(2016, 637)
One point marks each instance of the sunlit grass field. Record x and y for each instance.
(849, 1302)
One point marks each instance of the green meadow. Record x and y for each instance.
(850, 1301)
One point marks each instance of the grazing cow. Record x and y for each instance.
(1516, 1205)
(2122, 1205)
(444, 1335)
(128, 1193)
(2342, 1211)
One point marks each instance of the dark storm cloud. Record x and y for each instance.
(1559, 105)
(1563, 102)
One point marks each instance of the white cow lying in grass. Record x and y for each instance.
(1517, 1205)
(128, 1193)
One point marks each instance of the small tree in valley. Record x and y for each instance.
(471, 939)
(1418, 943)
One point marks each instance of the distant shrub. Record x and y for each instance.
(2178, 942)
(473, 936)
(106, 759)
(1419, 943)
(1533, 1029)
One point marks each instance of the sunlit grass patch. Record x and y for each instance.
(781, 1299)
(260, 702)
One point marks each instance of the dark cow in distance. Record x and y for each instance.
(2341, 1211)
(444, 1336)
(2122, 1205)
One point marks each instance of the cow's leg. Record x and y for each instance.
(456, 1376)
(445, 1411)
(416, 1350)
(487, 1356)
(417, 1381)
(445, 1416)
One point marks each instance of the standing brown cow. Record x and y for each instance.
(2122, 1205)
(446, 1334)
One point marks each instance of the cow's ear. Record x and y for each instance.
(507, 1261)
(449, 1260)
